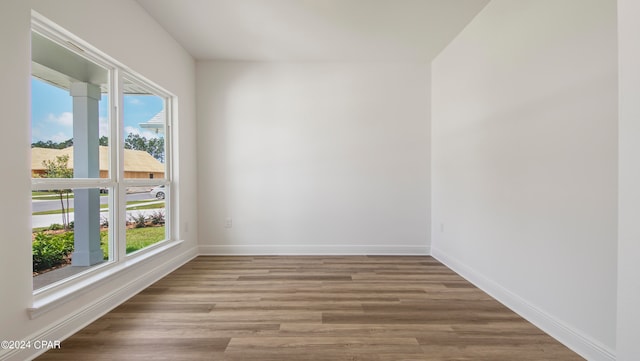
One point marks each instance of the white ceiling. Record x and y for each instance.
(314, 30)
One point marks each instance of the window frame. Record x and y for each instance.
(142, 182)
(51, 295)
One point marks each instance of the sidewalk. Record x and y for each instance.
(49, 219)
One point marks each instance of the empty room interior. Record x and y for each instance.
(321, 180)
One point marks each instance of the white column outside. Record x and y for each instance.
(86, 164)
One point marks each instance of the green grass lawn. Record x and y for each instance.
(137, 239)
(129, 203)
(49, 196)
(35, 193)
(148, 206)
(54, 195)
(58, 211)
(105, 206)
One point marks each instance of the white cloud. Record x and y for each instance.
(44, 133)
(60, 128)
(59, 137)
(143, 133)
(134, 101)
(64, 119)
(103, 127)
(36, 134)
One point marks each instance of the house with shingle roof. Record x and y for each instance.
(137, 163)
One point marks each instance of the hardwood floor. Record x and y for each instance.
(352, 308)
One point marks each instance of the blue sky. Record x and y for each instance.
(52, 113)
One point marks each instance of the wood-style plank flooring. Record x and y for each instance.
(353, 308)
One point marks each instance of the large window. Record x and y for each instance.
(100, 160)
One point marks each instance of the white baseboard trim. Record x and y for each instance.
(312, 250)
(84, 316)
(570, 337)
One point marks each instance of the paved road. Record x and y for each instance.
(49, 219)
(51, 205)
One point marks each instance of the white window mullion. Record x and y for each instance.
(121, 192)
(114, 115)
(168, 147)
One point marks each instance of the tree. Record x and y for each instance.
(50, 144)
(65, 144)
(58, 168)
(135, 141)
(156, 148)
(153, 146)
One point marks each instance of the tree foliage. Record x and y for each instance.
(59, 168)
(53, 145)
(64, 144)
(153, 146)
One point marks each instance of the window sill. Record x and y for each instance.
(51, 299)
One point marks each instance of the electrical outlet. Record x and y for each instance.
(228, 223)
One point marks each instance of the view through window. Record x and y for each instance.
(144, 165)
(100, 176)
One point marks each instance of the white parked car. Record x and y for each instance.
(158, 192)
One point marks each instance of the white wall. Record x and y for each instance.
(15, 209)
(124, 31)
(313, 158)
(524, 126)
(628, 334)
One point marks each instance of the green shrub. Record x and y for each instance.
(157, 217)
(138, 221)
(104, 244)
(51, 250)
(55, 227)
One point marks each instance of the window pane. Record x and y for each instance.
(145, 217)
(69, 107)
(144, 133)
(69, 129)
(52, 138)
(70, 233)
